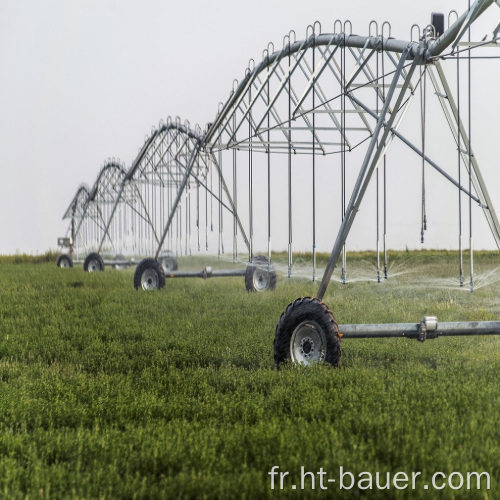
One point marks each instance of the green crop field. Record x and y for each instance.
(108, 392)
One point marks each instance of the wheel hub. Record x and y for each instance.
(261, 279)
(308, 343)
(149, 280)
(94, 266)
(307, 346)
(166, 264)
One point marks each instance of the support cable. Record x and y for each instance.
(377, 201)
(190, 209)
(289, 170)
(206, 211)
(235, 200)
(186, 222)
(471, 243)
(198, 214)
(385, 169)
(343, 154)
(250, 179)
(423, 92)
(155, 211)
(268, 175)
(220, 249)
(169, 205)
(314, 164)
(211, 198)
(459, 133)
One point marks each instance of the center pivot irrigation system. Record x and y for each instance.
(296, 115)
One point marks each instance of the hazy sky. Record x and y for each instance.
(84, 80)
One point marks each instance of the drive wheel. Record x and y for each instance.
(149, 275)
(64, 261)
(168, 263)
(260, 275)
(307, 333)
(93, 263)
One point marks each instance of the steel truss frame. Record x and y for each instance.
(89, 210)
(147, 199)
(314, 97)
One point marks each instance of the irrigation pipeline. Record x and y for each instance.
(427, 329)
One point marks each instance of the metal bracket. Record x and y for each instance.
(207, 272)
(64, 242)
(428, 325)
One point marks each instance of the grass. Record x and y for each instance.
(107, 392)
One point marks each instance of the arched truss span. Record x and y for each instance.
(324, 96)
(77, 206)
(105, 188)
(90, 208)
(266, 82)
(331, 94)
(170, 171)
(163, 158)
(274, 104)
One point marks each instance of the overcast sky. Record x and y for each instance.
(84, 80)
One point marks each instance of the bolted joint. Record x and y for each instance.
(207, 272)
(428, 328)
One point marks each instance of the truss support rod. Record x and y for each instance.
(477, 178)
(361, 64)
(453, 31)
(189, 167)
(316, 74)
(98, 218)
(205, 187)
(231, 203)
(286, 79)
(73, 234)
(84, 212)
(287, 76)
(238, 96)
(115, 206)
(474, 11)
(80, 222)
(101, 217)
(414, 148)
(135, 165)
(149, 141)
(368, 166)
(149, 159)
(147, 218)
(389, 44)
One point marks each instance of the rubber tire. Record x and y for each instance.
(90, 257)
(64, 258)
(298, 312)
(145, 265)
(168, 263)
(259, 263)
